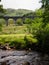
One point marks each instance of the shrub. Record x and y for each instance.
(11, 21)
(30, 41)
(2, 21)
(19, 21)
(18, 43)
(27, 21)
(35, 26)
(43, 38)
(25, 42)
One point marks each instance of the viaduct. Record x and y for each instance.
(15, 18)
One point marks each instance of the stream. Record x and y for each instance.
(14, 57)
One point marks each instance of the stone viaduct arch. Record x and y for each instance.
(15, 18)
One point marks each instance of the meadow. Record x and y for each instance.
(12, 29)
(17, 36)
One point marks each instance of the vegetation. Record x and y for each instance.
(40, 28)
(30, 33)
(1, 13)
(19, 41)
(18, 12)
(19, 21)
(12, 29)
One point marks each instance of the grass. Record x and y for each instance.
(7, 38)
(14, 35)
(12, 29)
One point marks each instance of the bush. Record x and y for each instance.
(43, 38)
(35, 26)
(27, 21)
(2, 22)
(11, 21)
(30, 41)
(25, 42)
(18, 43)
(19, 22)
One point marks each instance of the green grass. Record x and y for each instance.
(12, 29)
(14, 35)
(7, 38)
(19, 41)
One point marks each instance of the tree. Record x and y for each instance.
(45, 6)
(19, 21)
(1, 13)
(1, 10)
(28, 21)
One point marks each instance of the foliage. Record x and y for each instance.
(18, 41)
(13, 29)
(43, 38)
(10, 21)
(27, 21)
(39, 12)
(2, 21)
(18, 12)
(35, 26)
(45, 5)
(19, 21)
(1, 14)
(1, 9)
(30, 41)
(0, 27)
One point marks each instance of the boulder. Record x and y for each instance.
(4, 63)
(26, 63)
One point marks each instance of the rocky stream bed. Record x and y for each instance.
(15, 57)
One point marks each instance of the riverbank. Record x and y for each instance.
(15, 57)
(21, 42)
(17, 41)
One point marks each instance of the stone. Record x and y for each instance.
(26, 63)
(4, 63)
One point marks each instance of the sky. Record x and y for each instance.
(21, 4)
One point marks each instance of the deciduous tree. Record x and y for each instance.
(45, 6)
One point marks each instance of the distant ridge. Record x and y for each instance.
(17, 12)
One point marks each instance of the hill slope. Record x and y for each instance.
(18, 12)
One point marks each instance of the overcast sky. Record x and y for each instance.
(21, 4)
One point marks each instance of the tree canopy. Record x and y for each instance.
(1, 9)
(45, 6)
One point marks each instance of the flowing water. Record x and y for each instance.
(14, 57)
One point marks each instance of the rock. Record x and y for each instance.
(4, 63)
(29, 49)
(3, 56)
(3, 47)
(26, 63)
(7, 48)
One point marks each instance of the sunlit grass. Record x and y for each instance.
(12, 29)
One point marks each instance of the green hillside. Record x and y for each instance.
(18, 12)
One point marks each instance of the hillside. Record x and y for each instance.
(18, 12)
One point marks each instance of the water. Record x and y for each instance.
(19, 57)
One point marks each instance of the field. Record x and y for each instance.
(17, 36)
(12, 29)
